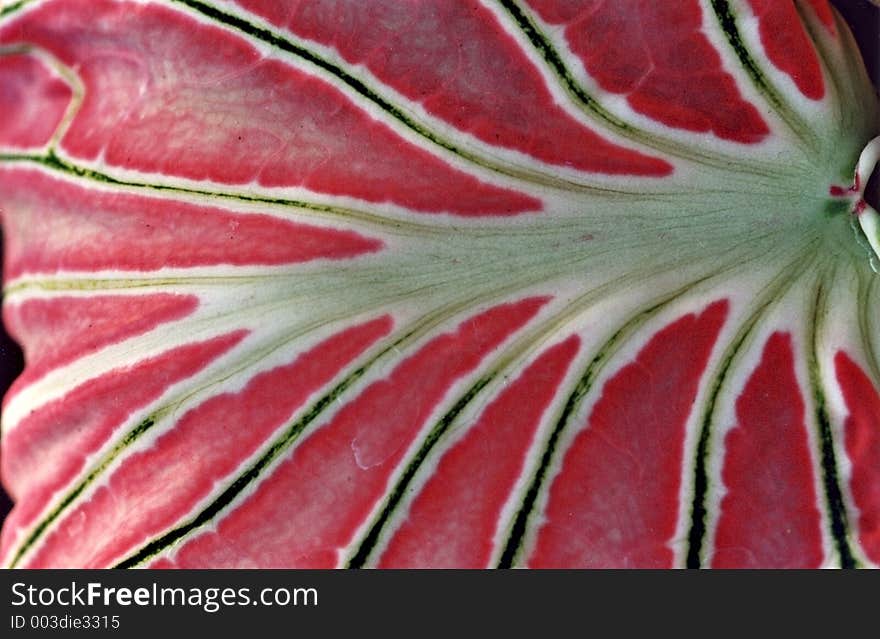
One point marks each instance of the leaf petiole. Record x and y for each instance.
(867, 215)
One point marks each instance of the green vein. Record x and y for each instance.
(727, 21)
(53, 162)
(253, 472)
(267, 36)
(518, 529)
(546, 49)
(68, 499)
(830, 480)
(281, 443)
(135, 434)
(12, 8)
(396, 495)
(287, 439)
(514, 353)
(554, 60)
(362, 89)
(775, 291)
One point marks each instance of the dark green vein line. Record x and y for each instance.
(552, 58)
(278, 447)
(12, 8)
(56, 512)
(239, 484)
(275, 40)
(267, 36)
(830, 480)
(281, 444)
(585, 383)
(775, 291)
(557, 65)
(53, 162)
(442, 426)
(697, 531)
(252, 473)
(518, 530)
(727, 21)
(540, 43)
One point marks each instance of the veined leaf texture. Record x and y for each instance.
(439, 283)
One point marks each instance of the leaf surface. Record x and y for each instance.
(463, 284)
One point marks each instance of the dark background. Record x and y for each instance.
(862, 16)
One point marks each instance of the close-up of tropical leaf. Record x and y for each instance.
(439, 284)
